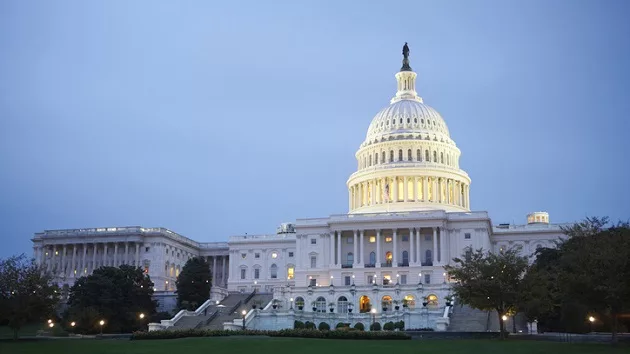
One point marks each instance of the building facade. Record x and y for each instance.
(409, 215)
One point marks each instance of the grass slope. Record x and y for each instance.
(233, 345)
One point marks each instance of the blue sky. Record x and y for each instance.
(219, 118)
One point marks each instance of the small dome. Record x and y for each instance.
(408, 117)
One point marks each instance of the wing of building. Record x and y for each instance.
(409, 215)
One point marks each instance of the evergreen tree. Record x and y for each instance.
(116, 295)
(27, 292)
(193, 284)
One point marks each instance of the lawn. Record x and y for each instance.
(296, 345)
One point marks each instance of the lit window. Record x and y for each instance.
(290, 272)
(388, 239)
(274, 254)
(372, 239)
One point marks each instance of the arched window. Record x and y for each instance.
(409, 155)
(342, 305)
(349, 258)
(400, 157)
(364, 304)
(426, 156)
(405, 257)
(370, 161)
(372, 258)
(376, 158)
(299, 302)
(391, 155)
(320, 304)
(290, 271)
(409, 301)
(432, 300)
(434, 156)
(428, 257)
(388, 257)
(383, 157)
(448, 160)
(274, 271)
(386, 303)
(418, 155)
(441, 157)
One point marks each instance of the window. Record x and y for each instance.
(405, 238)
(427, 278)
(376, 159)
(372, 239)
(146, 249)
(383, 157)
(388, 239)
(290, 254)
(313, 241)
(428, 255)
(274, 255)
(243, 255)
(349, 240)
(372, 258)
(256, 255)
(441, 157)
(256, 273)
(320, 304)
(349, 258)
(467, 236)
(418, 155)
(290, 272)
(391, 155)
(434, 156)
(409, 155)
(405, 257)
(312, 282)
(243, 273)
(426, 156)
(346, 280)
(403, 279)
(342, 305)
(274, 271)
(400, 157)
(313, 261)
(370, 279)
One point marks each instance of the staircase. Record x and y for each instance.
(468, 319)
(228, 314)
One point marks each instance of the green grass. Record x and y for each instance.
(255, 345)
(27, 330)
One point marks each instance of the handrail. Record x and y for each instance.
(249, 297)
(207, 321)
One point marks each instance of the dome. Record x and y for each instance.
(408, 161)
(407, 118)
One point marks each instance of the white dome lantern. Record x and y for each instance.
(408, 160)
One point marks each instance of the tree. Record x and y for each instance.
(193, 284)
(116, 295)
(489, 281)
(27, 293)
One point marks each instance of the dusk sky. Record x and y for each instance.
(222, 118)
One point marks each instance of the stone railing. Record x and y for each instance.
(164, 324)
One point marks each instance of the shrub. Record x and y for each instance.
(309, 325)
(298, 325)
(302, 333)
(323, 326)
(375, 326)
(400, 325)
(359, 326)
(388, 326)
(423, 329)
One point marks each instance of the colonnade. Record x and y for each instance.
(438, 247)
(78, 259)
(213, 261)
(409, 189)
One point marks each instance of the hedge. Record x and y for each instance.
(302, 333)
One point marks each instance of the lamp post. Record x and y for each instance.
(424, 305)
(101, 323)
(243, 313)
(291, 303)
(373, 311)
(591, 319)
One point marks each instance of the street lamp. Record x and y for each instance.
(373, 317)
(72, 324)
(591, 319)
(291, 301)
(51, 325)
(101, 323)
(243, 313)
(141, 315)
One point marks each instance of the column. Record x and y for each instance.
(126, 260)
(223, 281)
(105, 255)
(440, 181)
(116, 254)
(339, 249)
(137, 254)
(350, 198)
(395, 256)
(94, 248)
(434, 253)
(458, 197)
(356, 254)
(74, 262)
(42, 253)
(362, 253)
(415, 189)
(214, 268)
(364, 195)
(442, 246)
(51, 265)
(378, 248)
(83, 259)
(332, 249)
(395, 181)
(405, 189)
(373, 185)
(425, 189)
(467, 197)
(63, 260)
(412, 248)
(418, 246)
(378, 186)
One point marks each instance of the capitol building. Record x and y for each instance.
(409, 214)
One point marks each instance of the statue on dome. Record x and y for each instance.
(405, 51)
